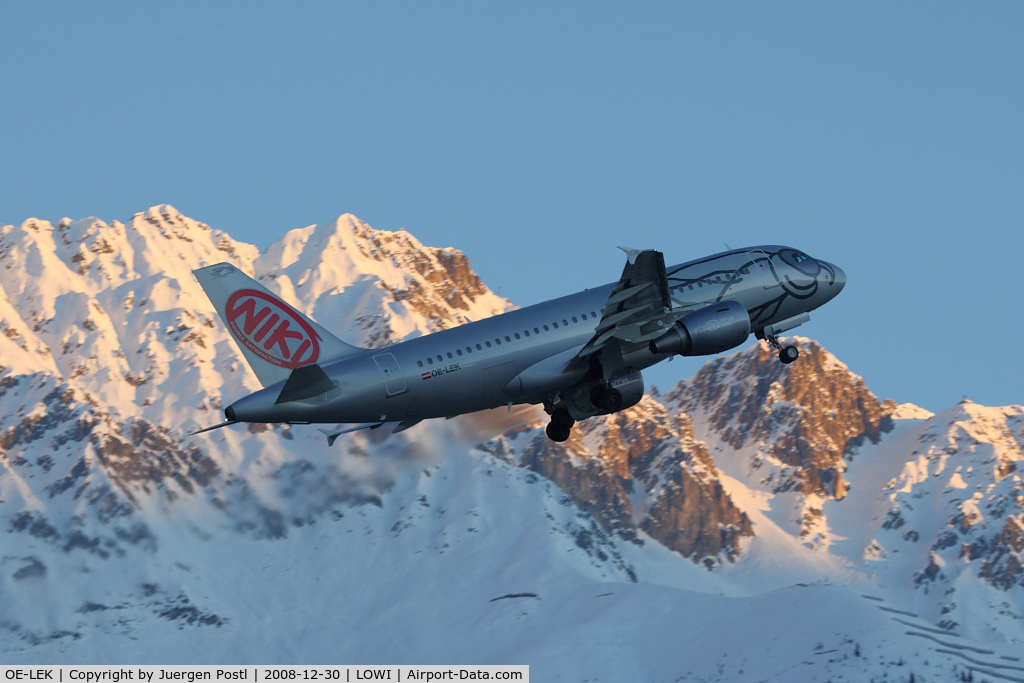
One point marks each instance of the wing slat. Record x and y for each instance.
(638, 308)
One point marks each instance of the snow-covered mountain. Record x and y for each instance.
(756, 522)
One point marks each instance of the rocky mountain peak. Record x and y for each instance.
(110, 354)
(113, 308)
(957, 505)
(446, 272)
(909, 411)
(395, 286)
(640, 469)
(798, 420)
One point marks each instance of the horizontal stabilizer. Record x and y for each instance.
(332, 435)
(210, 429)
(305, 382)
(405, 425)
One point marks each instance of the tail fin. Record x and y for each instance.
(274, 337)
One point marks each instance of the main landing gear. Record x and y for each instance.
(604, 397)
(560, 426)
(787, 354)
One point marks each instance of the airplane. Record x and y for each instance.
(579, 356)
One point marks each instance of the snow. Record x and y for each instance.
(445, 549)
(408, 548)
(857, 518)
(897, 529)
(909, 411)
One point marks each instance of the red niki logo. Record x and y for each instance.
(271, 329)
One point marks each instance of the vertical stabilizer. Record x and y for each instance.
(274, 337)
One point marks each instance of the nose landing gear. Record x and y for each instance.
(787, 354)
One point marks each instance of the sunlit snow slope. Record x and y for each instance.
(757, 522)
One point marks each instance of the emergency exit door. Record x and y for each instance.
(394, 381)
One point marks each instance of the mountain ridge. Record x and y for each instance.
(748, 478)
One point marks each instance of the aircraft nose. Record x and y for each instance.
(833, 285)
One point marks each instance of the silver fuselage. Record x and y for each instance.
(519, 356)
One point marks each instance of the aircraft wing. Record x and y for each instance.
(638, 309)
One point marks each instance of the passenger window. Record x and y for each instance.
(574, 319)
(565, 322)
(593, 314)
(556, 325)
(526, 332)
(430, 361)
(419, 363)
(517, 336)
(440, 358)
(508, 338)
(498, 342)
(489, 343)
(449, 354)
(536, 331)
(480, 348)
(469, 349)
(547, 329)
(458, 351)
(584, 316)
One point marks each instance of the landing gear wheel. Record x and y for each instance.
(557, 432)
(560, 426)
(789, 354)
(562, 418)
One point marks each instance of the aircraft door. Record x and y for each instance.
(394, 382)
(763, 265)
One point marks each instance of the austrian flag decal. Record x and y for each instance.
(454, 367)
(271, 329)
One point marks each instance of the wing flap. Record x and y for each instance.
(639, 306)
(628, 292)
(628, 316)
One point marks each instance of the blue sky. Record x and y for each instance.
(537, 137)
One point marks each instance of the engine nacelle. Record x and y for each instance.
(713, 329)
(583, 400)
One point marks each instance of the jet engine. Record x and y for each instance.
(594, 397)
(712, 329)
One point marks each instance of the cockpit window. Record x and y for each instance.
(801, 261)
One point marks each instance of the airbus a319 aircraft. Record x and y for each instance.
(579, 356)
